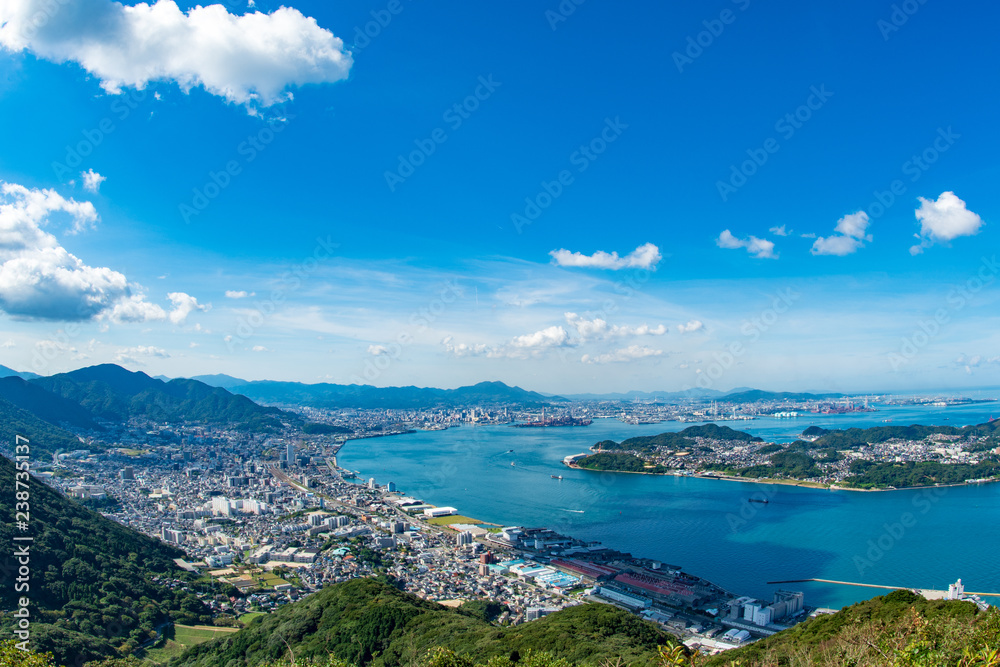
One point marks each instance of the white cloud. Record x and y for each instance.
(599, 329)
(184, 305)
(780, 231)
(519, 347)
(466, 350)
(8, 344)
(849, 238)
(238, 294)
(626, 354)
(260, 348)
(975, 361)
(250, 59)
(135, 354)
(40, 279)
(554, 336)
(92, 180)
(646, 256)
(690, 327)
(377, 350)
(943, 220)
(135, 308)
(759, 248)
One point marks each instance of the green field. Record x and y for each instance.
(269, 580)
(246, 618)
(447, 520)
(183, 637)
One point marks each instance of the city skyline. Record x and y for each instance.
(600, 200)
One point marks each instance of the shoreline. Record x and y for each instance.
(819, 486)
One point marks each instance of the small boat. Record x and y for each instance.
(509, 451)
(556, 476)
(763, 501)
(511, 464)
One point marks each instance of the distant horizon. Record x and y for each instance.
(924, 391)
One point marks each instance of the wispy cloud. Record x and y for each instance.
(624, 355)
(138, 353)
(969, 363)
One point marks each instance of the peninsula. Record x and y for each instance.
(879, 458)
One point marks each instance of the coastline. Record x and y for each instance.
(819, 486)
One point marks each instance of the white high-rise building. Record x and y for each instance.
(221, 506)
(956, 590)
(290, 454)
(371, 483)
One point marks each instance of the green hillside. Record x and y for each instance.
(109, 392)
(366, 622)
(44, 436)
(45, 405)
(898, 629)
(95, 586)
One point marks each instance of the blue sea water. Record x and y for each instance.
(914, 539)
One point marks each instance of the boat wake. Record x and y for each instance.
(574, 511)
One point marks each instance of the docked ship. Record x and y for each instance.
(555, 421)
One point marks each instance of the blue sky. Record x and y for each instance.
(736, 191)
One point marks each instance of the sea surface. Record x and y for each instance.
(912, 539)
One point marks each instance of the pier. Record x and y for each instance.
(929, 593)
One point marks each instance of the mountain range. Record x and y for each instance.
(10, 372)
(325, 395)
(47, 409)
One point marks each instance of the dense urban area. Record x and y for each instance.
(273, 517)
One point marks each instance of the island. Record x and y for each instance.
(878, 458)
